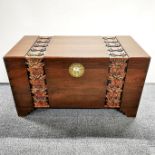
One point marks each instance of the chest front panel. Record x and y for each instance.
(66, 91)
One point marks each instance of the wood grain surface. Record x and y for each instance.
(19, 82)
(136, 73)
(77, 47)
(66, 91)
(17, 74)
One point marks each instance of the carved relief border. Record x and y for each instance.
(37, 77)
(117, 72)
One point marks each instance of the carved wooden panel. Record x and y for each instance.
(117, 72)
(35, 67)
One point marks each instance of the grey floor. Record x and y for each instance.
(77, 132)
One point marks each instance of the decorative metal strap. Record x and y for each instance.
(35, 66)
(117, 72)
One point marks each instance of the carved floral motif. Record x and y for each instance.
(34, 61)
(117, 72)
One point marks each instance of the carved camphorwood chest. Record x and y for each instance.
(77, 72)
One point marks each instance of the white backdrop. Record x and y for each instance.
(77, 17)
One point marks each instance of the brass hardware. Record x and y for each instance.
(76, 70)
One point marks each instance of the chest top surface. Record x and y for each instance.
(76, 46)
(79, 47)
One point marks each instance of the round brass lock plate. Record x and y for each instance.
(76, 70)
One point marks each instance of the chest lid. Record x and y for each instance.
(76, 46)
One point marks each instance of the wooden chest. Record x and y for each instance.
(77, 72)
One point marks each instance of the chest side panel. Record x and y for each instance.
(17, 74)
(138, 64)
